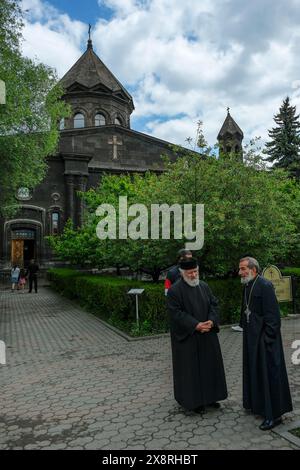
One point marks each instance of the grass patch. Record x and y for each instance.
(295, 432)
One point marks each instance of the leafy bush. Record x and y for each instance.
(229, 295)
(107, 297)
(295, 273)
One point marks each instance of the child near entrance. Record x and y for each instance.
(22, 281)
(15, 274)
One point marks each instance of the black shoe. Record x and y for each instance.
(215, 405)
(268, 424)
(200, 409)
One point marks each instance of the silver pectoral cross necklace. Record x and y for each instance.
(247, 310)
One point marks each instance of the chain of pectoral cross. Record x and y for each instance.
(248, 311)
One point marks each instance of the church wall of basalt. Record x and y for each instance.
(89, 105)
(35, 213)
(115, 149)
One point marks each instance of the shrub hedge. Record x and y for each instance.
(295, 273)
(107, 298)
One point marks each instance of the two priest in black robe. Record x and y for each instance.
(198, 371)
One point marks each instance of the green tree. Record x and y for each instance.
(28, 120)
(284, 146)
(248, 210)
(82, 246)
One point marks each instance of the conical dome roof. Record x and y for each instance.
(230, 127)
(90, 72)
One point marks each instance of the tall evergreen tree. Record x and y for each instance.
(284, 148)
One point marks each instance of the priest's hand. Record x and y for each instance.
(204, 327)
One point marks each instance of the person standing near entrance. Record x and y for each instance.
(22, 280)
(15, 273)
(266, 389)
(32, 275)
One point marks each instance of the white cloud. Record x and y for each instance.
(51, 37)
(36, 10)
(174, 130)
(54, 48)
(122, 7)
(185, 60)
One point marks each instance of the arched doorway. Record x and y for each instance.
(23, 246)
(23, 241)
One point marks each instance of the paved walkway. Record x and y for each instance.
(72, 383)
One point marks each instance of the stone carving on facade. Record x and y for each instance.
(55, 196)
(115, 152)
(24, 194)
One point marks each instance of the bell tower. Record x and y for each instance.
(230, 138)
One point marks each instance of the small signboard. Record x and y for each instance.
(23, 234)
(136, 291)
(2, 92)
(282, 284)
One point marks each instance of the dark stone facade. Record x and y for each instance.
(97, 138)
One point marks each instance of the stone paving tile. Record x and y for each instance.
(72, 383)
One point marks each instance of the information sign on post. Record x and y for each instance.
(136, 292)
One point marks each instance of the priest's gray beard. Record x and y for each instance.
(247, 279)
(190, 282)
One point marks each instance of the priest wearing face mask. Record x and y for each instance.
(265, 383)
(198, 371)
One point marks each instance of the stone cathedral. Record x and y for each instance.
(97, 138)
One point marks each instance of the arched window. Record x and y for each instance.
(62, 124)
(54, 223)
(118, 121)
(78, 121)
(100, 120)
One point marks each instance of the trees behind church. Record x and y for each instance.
(283, 149)
(28, 120)
(247, 210)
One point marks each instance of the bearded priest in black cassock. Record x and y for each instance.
(266, 389)
(198, 371)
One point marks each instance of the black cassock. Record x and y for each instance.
(198, 370)
(266, 389)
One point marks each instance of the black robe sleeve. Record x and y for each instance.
(271, 314)
(213, 310)
(182, 323)
(242, 311)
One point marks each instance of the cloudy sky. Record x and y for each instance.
(182, 61)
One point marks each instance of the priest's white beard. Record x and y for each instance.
(191, 282)
(247, 279)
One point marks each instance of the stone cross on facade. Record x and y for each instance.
(114, 142)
